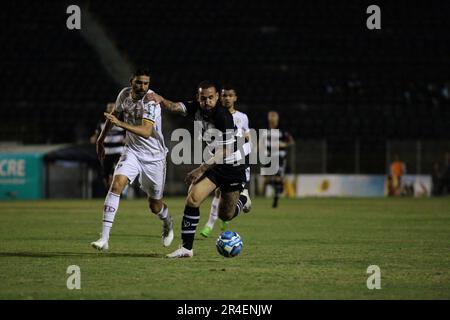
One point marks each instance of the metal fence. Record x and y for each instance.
(365, 157)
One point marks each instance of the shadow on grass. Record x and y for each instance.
(83, 254)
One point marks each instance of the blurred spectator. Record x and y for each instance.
(397, 170)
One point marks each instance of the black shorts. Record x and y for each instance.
(109, 164)
(227, 178)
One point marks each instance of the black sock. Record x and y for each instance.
(275, 201)
(239, 205)
(190, 221)
(278, 186)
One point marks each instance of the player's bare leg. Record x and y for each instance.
(232, 204)
(197, 194)
(160, 209)
(227, 205)
(109, 210)
(277, 184)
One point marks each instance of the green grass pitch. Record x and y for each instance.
(305, 249)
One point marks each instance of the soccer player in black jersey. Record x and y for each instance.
(114, 145)
(220, 171)
(285, 140)
(228, 98)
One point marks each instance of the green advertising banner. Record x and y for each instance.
(21, 176)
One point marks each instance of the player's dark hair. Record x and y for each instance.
(206, 84)
(229, 86)
(141, 71)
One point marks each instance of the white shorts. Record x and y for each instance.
(152, 174)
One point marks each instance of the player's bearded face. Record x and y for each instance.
(207, 98)
(140, 86)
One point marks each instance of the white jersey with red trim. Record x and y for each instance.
(134, 111)
(241, 121)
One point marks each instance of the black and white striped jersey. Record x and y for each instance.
(115, 139)
(276, 136)
(218, 120)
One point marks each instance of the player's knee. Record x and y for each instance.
(226, 216)
(193, 201)
(155, 205)
(117, 186)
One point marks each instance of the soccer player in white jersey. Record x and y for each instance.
(228, 98)
(144, 155)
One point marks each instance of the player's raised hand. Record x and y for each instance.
(112, 119)
(152, 96)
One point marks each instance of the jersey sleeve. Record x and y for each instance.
(150, 112)
(223, 120)
(246, 125)
(120, 98)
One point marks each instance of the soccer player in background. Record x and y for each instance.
(114, 145)
(228, 176)
(144, 155)
(228, 98)
(285, 140)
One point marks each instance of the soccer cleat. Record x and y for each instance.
(224, 225)
(181, 252)
(167, 234)
(206, 231)
(100, 245)
(248, 206)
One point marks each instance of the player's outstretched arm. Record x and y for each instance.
(101, 138)
(144, 130)
(175, 107)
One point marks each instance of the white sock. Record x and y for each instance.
(213, 213)
(109, 212)
(164, 213)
